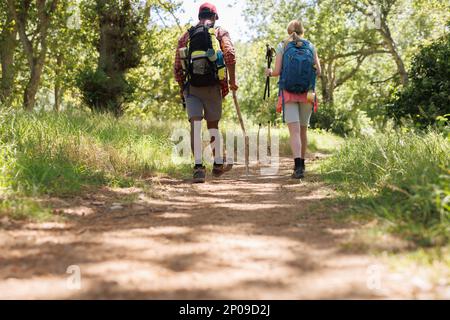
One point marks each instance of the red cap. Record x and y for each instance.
(208, 7)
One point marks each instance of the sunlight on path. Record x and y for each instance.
(233, 238)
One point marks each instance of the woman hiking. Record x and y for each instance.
(296, 103)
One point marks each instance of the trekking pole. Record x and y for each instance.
(246, 138)
(270, 52)
(258, 143)
(269, 141)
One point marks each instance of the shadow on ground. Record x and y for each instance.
(234, 238)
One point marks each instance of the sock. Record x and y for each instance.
(216, 145)
(299, 162)
(197, 166)
(197, 135)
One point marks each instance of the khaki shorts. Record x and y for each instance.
(298, 112)
(204, 102)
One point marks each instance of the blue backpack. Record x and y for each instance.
(298, 74)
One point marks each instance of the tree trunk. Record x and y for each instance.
(32, 86)
(57, 93)
(392, 47)
(7, 48)
(326, 80)
(106, 60)
(57, 89)
(35, 48)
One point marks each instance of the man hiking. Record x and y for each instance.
(205, 60)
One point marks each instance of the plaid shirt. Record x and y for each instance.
(228, 52)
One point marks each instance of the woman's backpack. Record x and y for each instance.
(298, 74)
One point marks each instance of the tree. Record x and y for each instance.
(379, 11)
(344, 44)
(120, 24)
(65, 51)
(343, 40)
(8, 44)
(34, 40)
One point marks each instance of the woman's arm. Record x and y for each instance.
(317, 62)
(278, 63)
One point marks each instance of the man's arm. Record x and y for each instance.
(180, 77)
(229, 54)
(232, 74)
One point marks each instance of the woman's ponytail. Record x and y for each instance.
(296, 38)
(296, 31)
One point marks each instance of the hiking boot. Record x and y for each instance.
(299, 173)
(219, 169)
(199, 175)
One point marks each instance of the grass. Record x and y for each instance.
(61, 154)
(23, 208)
(318, 141)
(46, 153)
(402, 178)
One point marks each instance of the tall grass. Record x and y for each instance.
(47, 153)
(319, 141)
(403, 177)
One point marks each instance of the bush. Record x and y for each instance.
(120, 27)
(402, 177)
(103, 93)
(428, 94)
(340, 121)
(328, 118)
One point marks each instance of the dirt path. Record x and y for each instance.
(261, 238)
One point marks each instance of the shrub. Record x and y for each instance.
(428, 94)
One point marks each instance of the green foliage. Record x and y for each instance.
(428, 95)
(103, 93)
(157, 93)
(402, 177)
(344, 36)
(252, 82)
(120, 26)
(329, 118)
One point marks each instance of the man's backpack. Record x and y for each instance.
(202, 72)
(298, 74)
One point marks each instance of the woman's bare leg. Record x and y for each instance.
(294, 138)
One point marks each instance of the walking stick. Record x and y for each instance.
(269, 142)
(246, 139)
(270, 52)
(258, 143)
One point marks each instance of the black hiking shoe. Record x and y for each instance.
(199, 175)
(299, 173)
